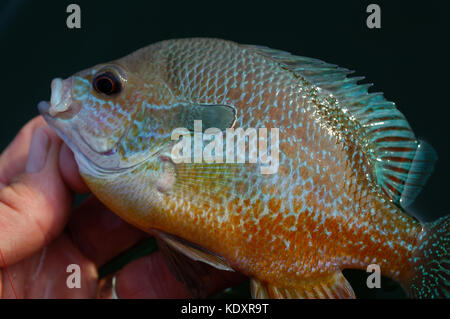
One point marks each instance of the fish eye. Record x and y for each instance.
(107, 83)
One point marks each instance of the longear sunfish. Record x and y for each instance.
(348, 166)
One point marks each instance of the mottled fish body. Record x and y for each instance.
(348, 164)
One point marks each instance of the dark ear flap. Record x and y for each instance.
(217, 116)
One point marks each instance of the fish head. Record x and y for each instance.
(92, 111)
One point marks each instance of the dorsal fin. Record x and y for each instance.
(401, 163)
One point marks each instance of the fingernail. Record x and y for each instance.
(38, 151)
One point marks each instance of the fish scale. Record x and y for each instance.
(310, 220)
(334, 202)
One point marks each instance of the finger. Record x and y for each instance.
(34, 205)
(14, 157)
(149, 277)
(57, 271)
(99, 233)
(69, 171)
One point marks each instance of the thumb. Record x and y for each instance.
(35, 205)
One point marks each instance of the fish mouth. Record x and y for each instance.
(83, 153)
(61, 98)
(44, 108)
(62, 115)
(61, 102)
(73, 140)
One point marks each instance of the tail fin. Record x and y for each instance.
(431, 262)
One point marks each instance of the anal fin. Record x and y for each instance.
(333, 286)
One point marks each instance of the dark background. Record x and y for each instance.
(407, 58)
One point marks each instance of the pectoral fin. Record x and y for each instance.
(192, 251)
(189, 264)
(333, 286)
(192, 274)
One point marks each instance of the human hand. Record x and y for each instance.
(40, 233)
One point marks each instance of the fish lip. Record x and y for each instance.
(43, 107)
(61, 102)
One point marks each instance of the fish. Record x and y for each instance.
(348, 166)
